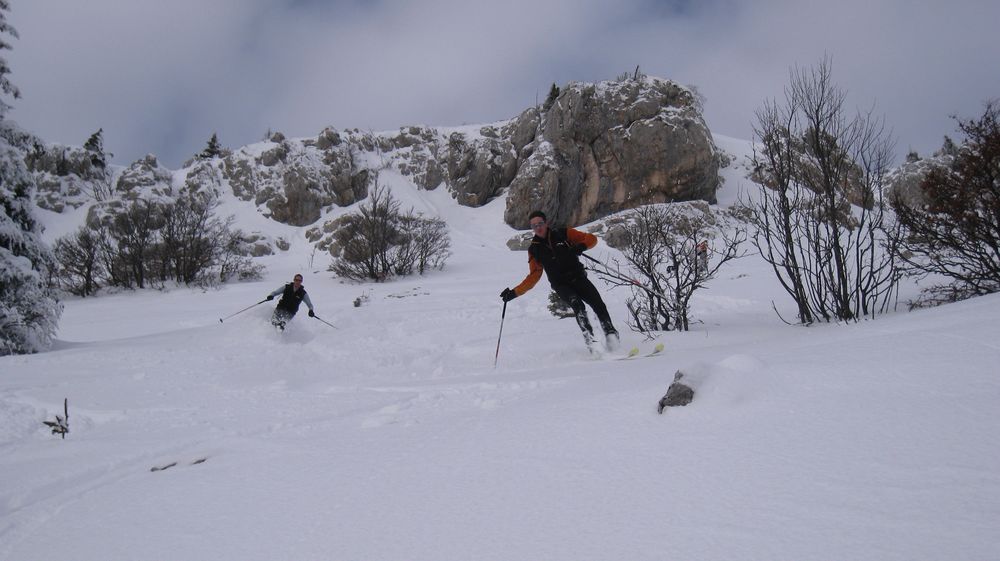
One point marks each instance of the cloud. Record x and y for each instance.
(161, 77)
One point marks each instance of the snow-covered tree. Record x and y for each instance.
(29, 310)
(213, 150)
(553, 94)
(6, 86)
(95, 146)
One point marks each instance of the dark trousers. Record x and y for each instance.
(581, 290)
(281, 316)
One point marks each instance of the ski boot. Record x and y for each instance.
(611, 339)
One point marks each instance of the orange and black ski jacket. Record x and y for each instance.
(556, 256)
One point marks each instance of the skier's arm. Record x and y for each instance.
(534, 274)
(576, 237)
(305, 298)
(276, 292)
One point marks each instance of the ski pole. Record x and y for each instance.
(502, 316)
(326, 322)
(607, 271)
(221, 320)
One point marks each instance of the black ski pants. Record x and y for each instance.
(281, 316)
(578, 291)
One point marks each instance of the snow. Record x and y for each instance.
(392, 436)
(472, 132)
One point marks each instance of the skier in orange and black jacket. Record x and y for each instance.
(556, 251)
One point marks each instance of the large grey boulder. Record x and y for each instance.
(611, 146)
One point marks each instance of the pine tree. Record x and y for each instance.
(6, 86)
(95, 145)
(553, 94)
(213, 150)
(29, 311)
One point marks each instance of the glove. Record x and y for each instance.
(507, 295)
(312, 314)
(270, 297)
(579, 248)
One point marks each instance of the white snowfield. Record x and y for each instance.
(393, 437)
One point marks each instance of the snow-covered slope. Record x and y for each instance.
(392, 436)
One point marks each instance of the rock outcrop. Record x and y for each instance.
(294, 180)
(145, 179)
(606, 147)
(904, 182)
(67, 176)
(595, 150)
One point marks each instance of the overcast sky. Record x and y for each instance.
(161, 76)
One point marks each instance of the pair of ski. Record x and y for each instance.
(635, 353)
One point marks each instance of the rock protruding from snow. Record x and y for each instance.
(678, 394)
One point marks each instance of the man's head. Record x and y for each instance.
(297, 280)
(538, 223)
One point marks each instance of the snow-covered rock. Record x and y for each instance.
(598, 149)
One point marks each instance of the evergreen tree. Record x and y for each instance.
(553, 94)
(213, 150)
(6, 86)
(29, 311)
(95, 145)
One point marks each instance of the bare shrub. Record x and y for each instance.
(819, 219)
(79, 263)
(955, 233)
(152, 243)
(662, 265)
(380, 242)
